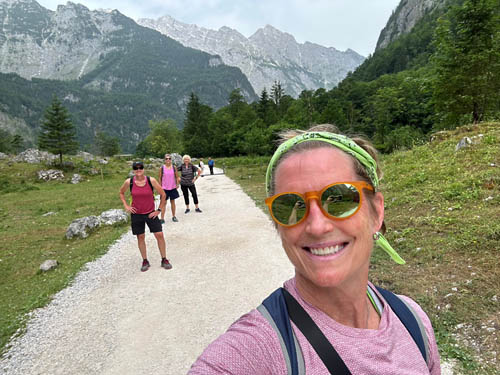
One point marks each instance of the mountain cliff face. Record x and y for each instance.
(137, 73)
(268, 55)
(406, 15)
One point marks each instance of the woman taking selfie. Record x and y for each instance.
(324, 199)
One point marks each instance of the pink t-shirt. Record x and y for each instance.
(168, 178)
(251, 346)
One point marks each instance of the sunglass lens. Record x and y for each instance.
(289, 209)
(136, 168)
(340, 200)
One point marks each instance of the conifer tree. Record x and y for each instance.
(195, 132)
(57, 134)
(467, 61)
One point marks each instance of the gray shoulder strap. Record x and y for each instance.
(421, 327)
(300, 358)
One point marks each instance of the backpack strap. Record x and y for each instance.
(274, 309)
(325, 350)
(410, 320)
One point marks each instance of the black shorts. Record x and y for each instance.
(139, 222)
(171, 194)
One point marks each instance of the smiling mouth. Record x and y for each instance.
(329, 250)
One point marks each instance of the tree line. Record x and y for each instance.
(443, 74)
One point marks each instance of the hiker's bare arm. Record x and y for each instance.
(123, 189)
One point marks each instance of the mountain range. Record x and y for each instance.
(115, 74)
(111, 73)
(268, 55)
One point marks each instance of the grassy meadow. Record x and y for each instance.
(442, 215)
(28, 238)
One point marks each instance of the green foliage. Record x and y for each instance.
(195, 132)
(467, 63)
(164, 137)
(10, 143)
(107, 145)
(57, 133)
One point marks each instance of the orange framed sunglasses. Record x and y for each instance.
(338, 201)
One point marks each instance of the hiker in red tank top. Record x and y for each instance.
(142, 212)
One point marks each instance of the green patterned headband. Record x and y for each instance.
(340, 141)
(345, 144)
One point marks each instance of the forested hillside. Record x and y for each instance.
(112, 74)
(443, 73)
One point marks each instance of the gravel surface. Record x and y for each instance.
(115, 319)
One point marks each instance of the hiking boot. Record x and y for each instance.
(166, 264)
(187, 210)
(145, 265)
(174, 219)
(198, 210)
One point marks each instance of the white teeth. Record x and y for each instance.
(326, 250)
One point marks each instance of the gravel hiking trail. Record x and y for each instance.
(114, 319)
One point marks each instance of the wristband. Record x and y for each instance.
(159, 210)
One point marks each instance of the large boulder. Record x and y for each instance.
(113, 216)
(51, 174)
(176, 159)
(3, 156)
(85, 156)
(34, 156)
(81, 227)
(76, 178)
(48, 265)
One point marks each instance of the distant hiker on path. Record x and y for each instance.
(169, 183)
(189, 175)
(142, 212)
(324, 199)
(202, 166)
(211, 164)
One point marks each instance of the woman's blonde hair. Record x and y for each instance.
(186, 157)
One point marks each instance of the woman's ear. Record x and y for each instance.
(378, 204)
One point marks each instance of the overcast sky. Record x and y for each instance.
(342, 24)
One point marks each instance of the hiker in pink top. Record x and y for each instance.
(324, 198)
(169, 183)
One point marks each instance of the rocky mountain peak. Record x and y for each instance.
(402, 20)
(268, 55)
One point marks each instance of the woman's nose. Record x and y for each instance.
(316, 222)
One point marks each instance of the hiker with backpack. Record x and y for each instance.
(142, 212)
(169, 183)
(323, 197)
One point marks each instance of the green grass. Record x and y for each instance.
(442, 221)
(29, 238)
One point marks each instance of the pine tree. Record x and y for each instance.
(195, 132)
(57, 133)
(467, 61)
